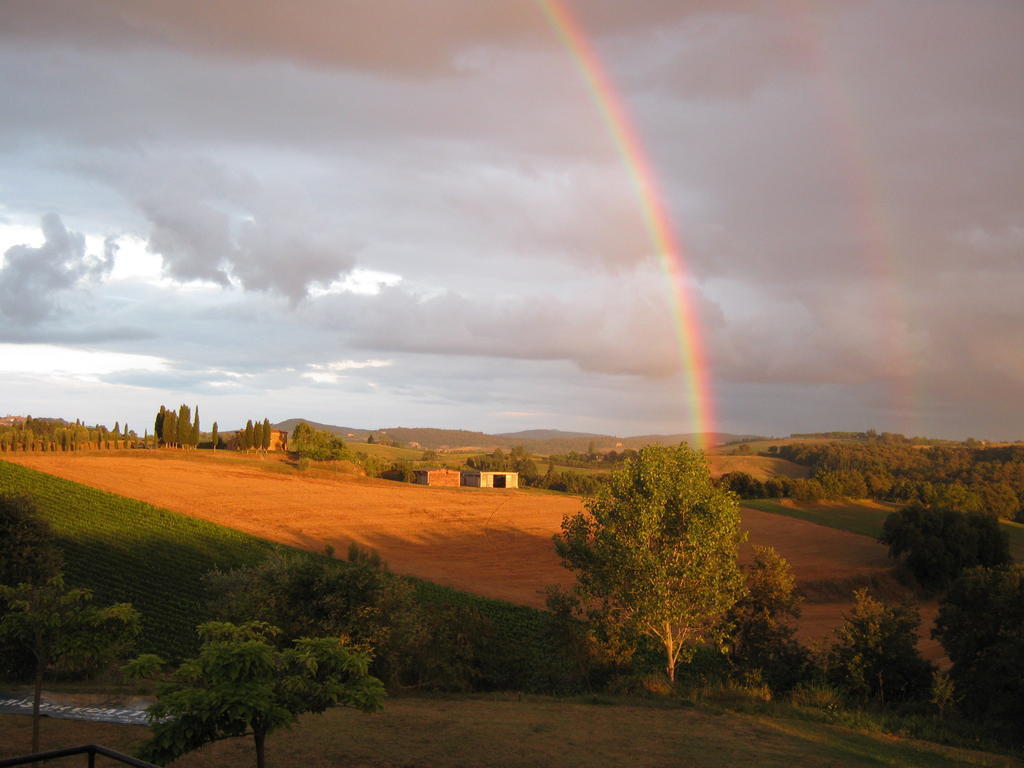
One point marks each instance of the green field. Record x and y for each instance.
(848, 516)
(862, 519)
(1016, 533)
(415, 455)
(578, 470)
(127, 550)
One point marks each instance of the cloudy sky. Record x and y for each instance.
(411, 213)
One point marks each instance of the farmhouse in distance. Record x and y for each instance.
(475, 479)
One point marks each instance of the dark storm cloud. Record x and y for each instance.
(847, 178)
(594, 329)
(409, 38)
(33, 279)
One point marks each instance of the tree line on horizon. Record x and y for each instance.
(181, 429)
(60, 435)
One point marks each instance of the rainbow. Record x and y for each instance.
(656, 218)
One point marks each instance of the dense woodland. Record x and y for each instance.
(965, 476)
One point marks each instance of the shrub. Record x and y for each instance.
(980, 625)
(937, 544)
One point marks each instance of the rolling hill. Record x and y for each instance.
(542, 441)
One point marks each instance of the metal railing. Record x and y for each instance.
(88, 749)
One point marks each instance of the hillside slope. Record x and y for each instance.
(495, 543)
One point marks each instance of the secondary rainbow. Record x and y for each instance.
(656, 218)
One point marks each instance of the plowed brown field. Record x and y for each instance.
(492, 542)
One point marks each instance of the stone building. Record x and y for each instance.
(448, 477)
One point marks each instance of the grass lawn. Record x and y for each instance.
(864, 519)
(542, 467)
(512, 731)
(389, 453)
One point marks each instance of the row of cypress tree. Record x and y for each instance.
(177, 429)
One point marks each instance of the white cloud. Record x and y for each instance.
(330, 373)
(88, 364)
(365, 282)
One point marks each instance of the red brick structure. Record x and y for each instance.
(447, 477)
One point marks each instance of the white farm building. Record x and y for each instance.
(490, 479)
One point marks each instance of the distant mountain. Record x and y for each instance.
(289, 424)
(544, 441)
(550, 434)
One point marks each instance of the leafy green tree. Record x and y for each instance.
(318, 444)
(937, 544)
(763, 632)
(875, 652)
(158, 424)
(58, 625)
(265, 435)
(656, 550)
(257, 435)
(240, 684)
(1000, 500)
(981, 626)
(194, 435)
(214, 437)
(248, 437)
(28, 549)
(413, 645)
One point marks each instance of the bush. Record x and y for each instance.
(28, 549)
(818, 696)
(875, 655)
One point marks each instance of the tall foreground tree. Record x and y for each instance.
(981, 626)
(656, 551)
(214, 437)
(241, 685)
(59, 625)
